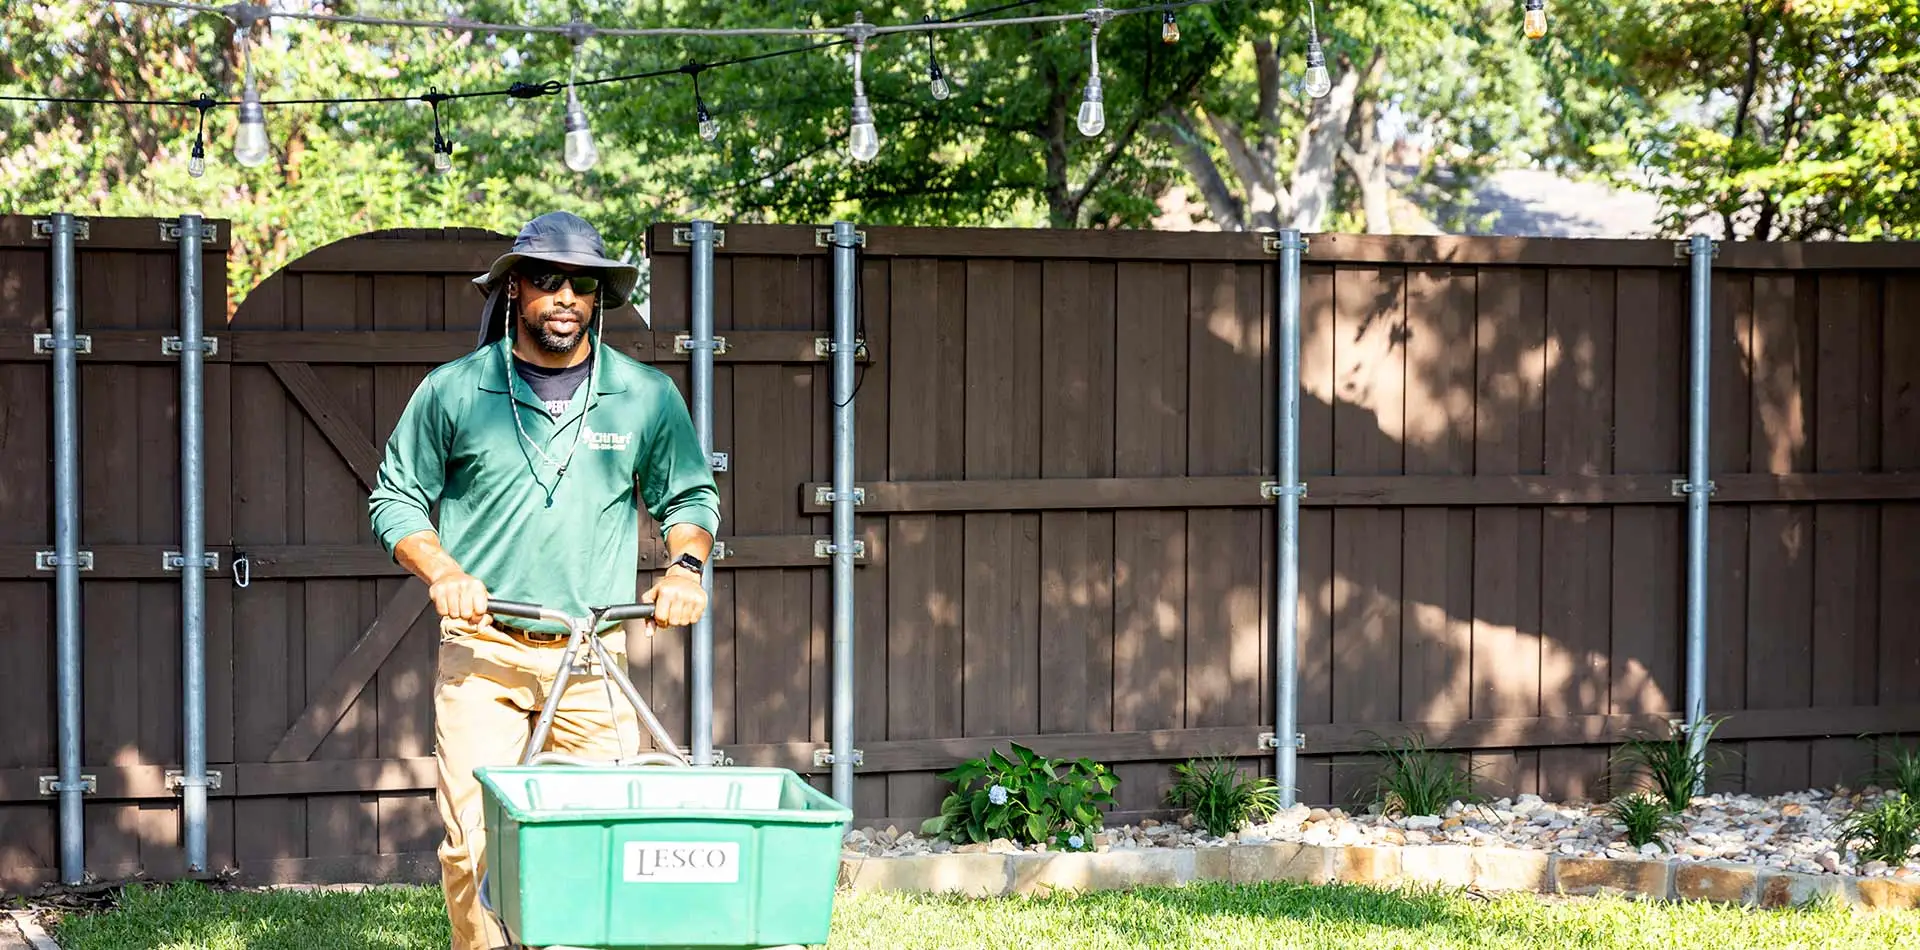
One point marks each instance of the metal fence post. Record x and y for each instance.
(1698, 487)
(193, 545)
(845, 281)
(700, 740)
(1288, 489)
(66, 550)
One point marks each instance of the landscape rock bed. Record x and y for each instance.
(1793, 832)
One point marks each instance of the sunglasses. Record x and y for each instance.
(549, 281)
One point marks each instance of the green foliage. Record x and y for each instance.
(1419, 781)
(1889, 830)
(1669, 764)
(1646, 816)
(1028, 798)
(1221, 797)
(1901, 771)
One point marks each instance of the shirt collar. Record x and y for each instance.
(607, 378)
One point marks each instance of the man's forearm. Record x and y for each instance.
(689, 539)
(421, 553)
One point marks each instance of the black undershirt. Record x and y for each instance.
(554, 386)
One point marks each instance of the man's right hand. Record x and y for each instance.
(461, 596)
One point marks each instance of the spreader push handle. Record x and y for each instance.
(514, 608)
(628, 612)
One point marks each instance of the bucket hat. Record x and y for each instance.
(561, 237)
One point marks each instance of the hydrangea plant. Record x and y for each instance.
(1026, 798)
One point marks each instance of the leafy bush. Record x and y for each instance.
(1888, 831)
(1646, 816)
(1901, 773)
(1028, 799)
(1419, 781)
(1221, 797)
(1669, 762)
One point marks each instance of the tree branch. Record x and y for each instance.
(1266, 66)
(1125, 138)
(1222, 205)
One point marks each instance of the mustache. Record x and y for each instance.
(558, 309)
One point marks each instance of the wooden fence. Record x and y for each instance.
(1062, 438)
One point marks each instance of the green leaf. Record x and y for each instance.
(1036, 829)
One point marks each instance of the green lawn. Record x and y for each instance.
(1268, 916)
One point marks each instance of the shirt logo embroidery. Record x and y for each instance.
(606, 441)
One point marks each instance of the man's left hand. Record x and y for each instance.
(678, 599)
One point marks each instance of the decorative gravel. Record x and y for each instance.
(1791, 832)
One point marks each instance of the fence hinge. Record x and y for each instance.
(1275, 490)
(174, 346)
(1273, 244)
(48, 560)
(50, 784)
(823, 348)
(823, 237)
(683, 237)
(1270, 740)
(82, 229)
(719, 461)
(683, 343)
(44, 343)
(174, 560)
(1684, 249)
(825, 548)
(170, 232)
(824, 495)
(177, 779)
(825, 757)
(1682, 488)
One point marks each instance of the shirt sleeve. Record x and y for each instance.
(676, 477)
(413, 471)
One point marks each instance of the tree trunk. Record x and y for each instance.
(1060, 209)
(1316, 162)
(1224, 208)
(1367, 154)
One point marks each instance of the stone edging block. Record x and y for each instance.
(1487, 869)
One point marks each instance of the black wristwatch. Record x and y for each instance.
(689, 562)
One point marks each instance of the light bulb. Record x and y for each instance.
(938, 83)
(1536, 19)
(580, 153)
(1318, 83)
(442, 157)
(197, 164)
(1093, 113)
(863, 143)
(709, 127)
(1169, 29)
(250, 148)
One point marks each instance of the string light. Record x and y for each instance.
(579, 151)
(442, 149)
(709, 128)
(250, 145)
(1536, 19)
(1093, 111)
(863, 141)
(1317, 81)
(197, 163)
(936, 83)
(1169, 29)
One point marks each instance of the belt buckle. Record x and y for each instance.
(538, 636)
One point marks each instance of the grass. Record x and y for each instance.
(1270, 916)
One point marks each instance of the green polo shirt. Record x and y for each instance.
(565, 541)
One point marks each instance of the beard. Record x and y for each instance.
(555, 340)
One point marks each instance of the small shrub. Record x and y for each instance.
(1221, 797)
(1028, 798)
(1646, 816)
(1901, 773)
(1888, 831)
(1420, 781)
(1669, 763)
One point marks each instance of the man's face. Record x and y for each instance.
(554, 318)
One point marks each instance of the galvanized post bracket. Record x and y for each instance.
(1274, 244)
(823, 347)
(719, 551)
(823, 237)
(177, 780)
(1682, 488)
(683, 237)
(82, 229)
(824, 495)
(719, 461)
(824, 548)
(683, 343)
(170, 232)
(48, 560)
(715, 759)
(1269, 740)
(825, 757)
(1276, 490)
(50, 784)
(1684, 249)
(174, 560)
(44, 343)
(174, 346)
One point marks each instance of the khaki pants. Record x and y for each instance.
(487, 697)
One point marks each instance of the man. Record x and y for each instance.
(540, 449)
